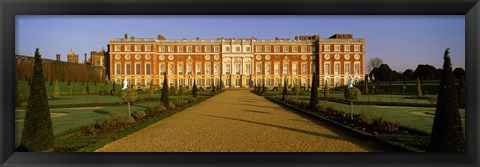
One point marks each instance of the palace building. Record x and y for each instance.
(238, 62)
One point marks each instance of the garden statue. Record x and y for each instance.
(350, 82)
(125, 84)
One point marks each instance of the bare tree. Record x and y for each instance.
(374, 63)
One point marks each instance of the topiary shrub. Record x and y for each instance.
(105, 124)
(171, 105)
(37, 134)
(139, 114)
(192, 100)
(367, 116)
(126, 119)
(88, 129)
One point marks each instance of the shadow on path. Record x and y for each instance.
(280, 127)
(255, 111)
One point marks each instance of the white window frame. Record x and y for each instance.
(276, 69)
(171, 49)
(327, 68)
(208, 49)
(285, 69)
(189, 68)
(128, 48)
(286, 49)
(117, 48)
(303, 69)
(216, 69)
(238, 49)
(216, 49)
(247, 49)
(138, 48)
(276, 49)
(148, 69)
(171, 69)
(161, 68)
(207, 69)
(139, 70)
(118, 70)
(198, 69)
(180, 69)
(268, 49)
(267, 69)
(346, 48)
(161, 49)
(346, 69)
(336, 68)
(180, 49)
(259, 69)
(356, 48)
(189, 49)
(227, 48)
(336, 48)
(304, 49)
(295, 49)
(258, 49)
(128, 72)
(198, 49)
(294, 69)
(356, 68)
(327, 47)
(314, 48)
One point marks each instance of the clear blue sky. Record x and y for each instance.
(402, 42)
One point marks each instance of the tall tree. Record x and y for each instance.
(164, 97)
(374, 63)
(459, 73)
(408, 74)
(314, 92)
(37, 134)
(447, 132)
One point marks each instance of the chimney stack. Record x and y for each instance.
(58, 57)
(126, 35)
(85, 61)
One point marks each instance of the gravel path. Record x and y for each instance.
(239, 121)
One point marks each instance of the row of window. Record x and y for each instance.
(346, 48)
(181, 49)
(238, 69)
(336, 68)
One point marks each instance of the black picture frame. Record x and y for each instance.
(10, 8)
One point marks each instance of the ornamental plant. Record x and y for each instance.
(37, 134)
(129, 95)
(352, 94)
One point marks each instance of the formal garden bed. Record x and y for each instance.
(93, 136)
(368, 125)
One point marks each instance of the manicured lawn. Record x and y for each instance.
(69, 118)
(420, 118)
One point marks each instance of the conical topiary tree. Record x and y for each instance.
(365, 89)
(284, 89)
(56, 90)
(151, 92)
(87, 89)
(419, 88)
(314, 92)
(296, 91)
(164, 97)
(194, 89)
(326, 91)
(37, 134)
(447, 132)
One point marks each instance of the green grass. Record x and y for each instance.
(80, 116)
